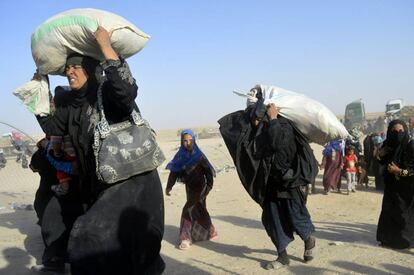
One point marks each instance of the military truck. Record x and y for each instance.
(355, 115)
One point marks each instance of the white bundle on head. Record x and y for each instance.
(311, 117)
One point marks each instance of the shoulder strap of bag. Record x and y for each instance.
(103, 126)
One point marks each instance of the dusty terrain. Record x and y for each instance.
(345, 227)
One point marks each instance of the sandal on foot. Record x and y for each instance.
(185, 244)
(214, 238)
(274, 265)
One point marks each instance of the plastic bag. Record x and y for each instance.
(316, 122)
(35, 96)
(73, 31)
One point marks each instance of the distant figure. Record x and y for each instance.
(350, 162)
(410, 125)
(332, 163)
(21, 147)
(396, 222)
(362, 176)
(377, 167)
(3, 159)
(192, 167)
(385, 126)
(369, 153)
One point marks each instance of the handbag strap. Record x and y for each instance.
(103, 126)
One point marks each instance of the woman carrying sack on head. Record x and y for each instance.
(123, 226)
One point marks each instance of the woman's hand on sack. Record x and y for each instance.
(272, 111)
(37, 76)
(103, 38)
(168, 192)
(393, 168)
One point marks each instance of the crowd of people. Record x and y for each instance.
(389, 157)
(117, 228)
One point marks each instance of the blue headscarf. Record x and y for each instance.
(185, 160)
(332, 145)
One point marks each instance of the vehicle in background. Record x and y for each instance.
(393, 108)
(407, 114)
(355, 115)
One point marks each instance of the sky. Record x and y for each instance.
(200, 51)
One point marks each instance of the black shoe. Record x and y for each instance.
(281, 261)
(44, 269)
(309, 249)
(49, 268)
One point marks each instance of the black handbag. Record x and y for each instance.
(124, 149)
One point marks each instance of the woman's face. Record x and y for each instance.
(397, 128)
(76, 75)
(188, 142)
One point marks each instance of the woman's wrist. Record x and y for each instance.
(109, 53)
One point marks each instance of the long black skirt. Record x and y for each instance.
(396, 222)
(122, 232)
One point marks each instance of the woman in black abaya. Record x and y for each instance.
(123, 226)
(396, 222)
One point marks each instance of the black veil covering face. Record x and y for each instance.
(398, 141)
(396, 221)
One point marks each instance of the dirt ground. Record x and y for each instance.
(345, 227)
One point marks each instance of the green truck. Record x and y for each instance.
(355, 115)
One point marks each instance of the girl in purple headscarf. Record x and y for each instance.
(192, 167)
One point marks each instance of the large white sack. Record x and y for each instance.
(311, 117)
(35, 96)
(72, 31)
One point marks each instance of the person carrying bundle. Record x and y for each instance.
(273, 161)
(123, 226)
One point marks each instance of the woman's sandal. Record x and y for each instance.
(274, 265)
(214, 237)
(184, 245)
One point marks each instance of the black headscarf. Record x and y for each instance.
(79, 119)
(88, 91)
(397, 141)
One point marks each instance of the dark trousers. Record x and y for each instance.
(282, 217)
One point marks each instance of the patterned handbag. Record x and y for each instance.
(124, 149)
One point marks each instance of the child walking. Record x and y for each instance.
(350, 162)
